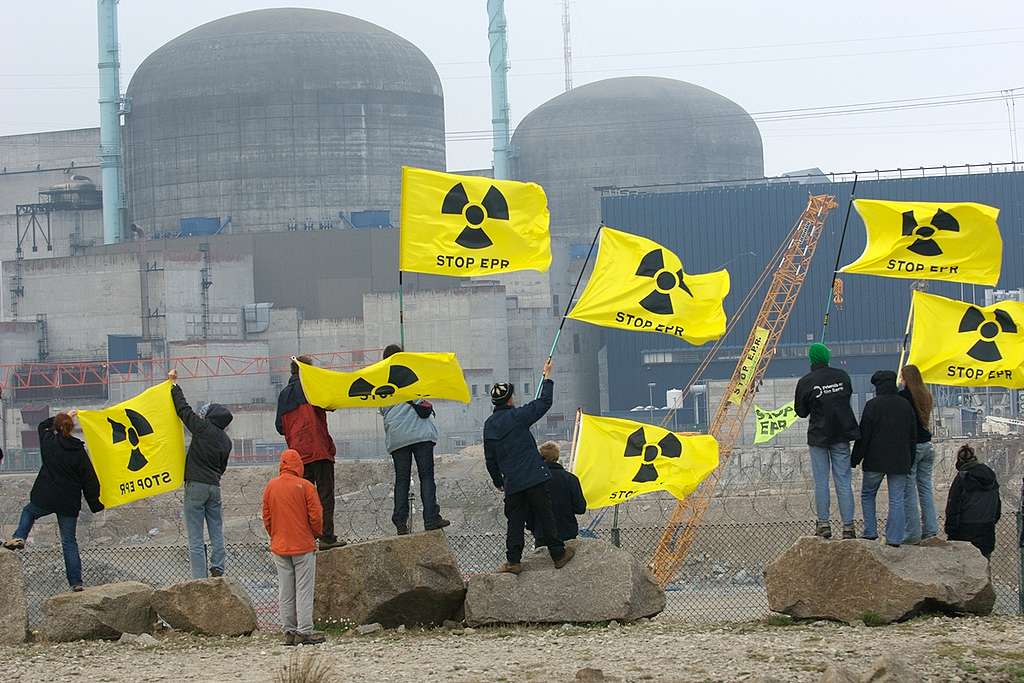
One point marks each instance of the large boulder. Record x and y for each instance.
(13, 606)
(857, 580)
(100, 612)
(411, 580)
(601, 583)
(211, 607)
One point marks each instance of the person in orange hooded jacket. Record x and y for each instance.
(293, 517)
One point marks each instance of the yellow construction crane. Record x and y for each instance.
(787, 269)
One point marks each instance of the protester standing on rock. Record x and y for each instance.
(922, 521)
(567, 499)
(205, 463)
(410, 433)
(516, 468)
(65, 476)
(304, 428)
(973, 506)
(888, 436)
(293, 517)
(823, 396)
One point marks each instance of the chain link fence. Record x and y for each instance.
(721, 580)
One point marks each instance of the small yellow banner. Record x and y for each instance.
(619, 459)
(137, 447)
(399, 378)
(769, 423)
(750, 362)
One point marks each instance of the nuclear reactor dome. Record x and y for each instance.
(630, 131)
(279, 119)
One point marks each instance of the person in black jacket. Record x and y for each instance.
(888, 436)
(205, 462)
(823, 396)
(65, 476)
(973, 506)
(567, 499)
(517, 469)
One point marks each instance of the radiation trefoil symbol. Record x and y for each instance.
(924, 245)
(985, 349)
(666, 282)
(399, 377)
(137, 427)
(493, 207)
(637, 446)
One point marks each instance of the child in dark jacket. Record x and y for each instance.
(973, 506)
(65, 475)
(205, 463)
(516, 468)
(567, 499)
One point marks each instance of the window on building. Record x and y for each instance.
(576, 343)
(555, 308)
(474, 389)
(657, 357)
(526, 389)
(487, 389)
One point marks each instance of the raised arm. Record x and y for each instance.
(193, 422)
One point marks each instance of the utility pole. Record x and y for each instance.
(567, 44)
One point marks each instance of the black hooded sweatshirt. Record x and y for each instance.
(208, 453)
(65, 475)
(823, 396)
(888, 429)
(973, 507)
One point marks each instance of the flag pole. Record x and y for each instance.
(575, 439)
(401, 311)
(906, 334)
(568, 305)
(839, 255)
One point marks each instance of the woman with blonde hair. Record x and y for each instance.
(922, 521)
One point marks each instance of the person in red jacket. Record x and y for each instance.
(304, 428)
(294, 518)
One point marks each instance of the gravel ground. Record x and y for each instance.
(940, 649)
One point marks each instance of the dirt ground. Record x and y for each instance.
(938, 649)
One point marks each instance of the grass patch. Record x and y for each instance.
(1014, 673)
(304, 669)
(780, 620)
(873, 619)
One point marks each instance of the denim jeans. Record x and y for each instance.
(423, 453)
(923, 523)
(895, 524)
(68, 525)
(202, 503)
(837, 459)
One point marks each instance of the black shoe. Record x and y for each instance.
(893, 545)
(402, 530)
(312, 638)
(823, 531)
(215, 572)
(849, 532)
(439, 523)
(290, 639)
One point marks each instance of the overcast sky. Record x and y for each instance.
(766, 56)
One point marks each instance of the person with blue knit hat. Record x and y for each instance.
(823, 397)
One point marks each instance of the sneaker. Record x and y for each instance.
(849, 532)
(511, 568)
(823, 531)
(870, 538)
(78, 588)
(912, 541)
(566, 556)
(311, 638)
(216, 572)
(402, 530)
(290, 639)
(328, 543)
(15, 544)
(893, 545)
(440, 523)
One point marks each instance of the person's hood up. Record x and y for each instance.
(884, 381)
(291, 462)
(219, 415)
(980, 477)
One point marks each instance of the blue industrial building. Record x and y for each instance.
(740, 227)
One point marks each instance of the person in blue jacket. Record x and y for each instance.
(517, 469)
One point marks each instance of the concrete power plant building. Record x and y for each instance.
(276, 118)
(262, 164)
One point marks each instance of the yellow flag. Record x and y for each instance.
(137, 447)
(749, 364)
(399, 378)
(955, 242)
(619, 459)
(962, 345)
(639, 285)
(770, 423)
(470, 225)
